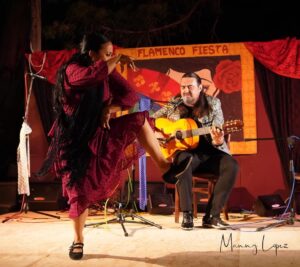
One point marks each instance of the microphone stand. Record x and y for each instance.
(290, 220)
(121, 215)
(24, 204)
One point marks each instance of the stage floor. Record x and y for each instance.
(34, 240)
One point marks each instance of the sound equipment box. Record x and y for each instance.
(269, 205)
(160, 204)
(8, 196)
(152, 188)
(46, 196)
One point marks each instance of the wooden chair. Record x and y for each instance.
(207, 182)
(203, 178)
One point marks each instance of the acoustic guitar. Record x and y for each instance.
(184, 134)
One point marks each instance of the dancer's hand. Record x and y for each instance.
(127, 60)
(160, 138)
(105, 118)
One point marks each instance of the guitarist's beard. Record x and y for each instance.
(188, 100)
(200, 107)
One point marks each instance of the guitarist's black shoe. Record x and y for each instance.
(171, 175)
(187, 222)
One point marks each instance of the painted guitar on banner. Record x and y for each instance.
(184, 134)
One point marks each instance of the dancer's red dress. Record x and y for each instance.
(109, 157)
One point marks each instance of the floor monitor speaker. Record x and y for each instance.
(160, 204)
(46, 196)
(269, 205)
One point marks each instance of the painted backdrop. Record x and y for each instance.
(227, 72)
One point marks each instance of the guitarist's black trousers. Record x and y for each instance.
(211, 161)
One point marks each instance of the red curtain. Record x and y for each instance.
(280, 56)
(280, 95)
(46, 63)
(278, 72)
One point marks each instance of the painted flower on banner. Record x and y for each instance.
(153, 84)
(139, 81)
(228, 76)
(166, 95)
(154, 87)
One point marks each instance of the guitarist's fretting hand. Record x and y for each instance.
(217, 136)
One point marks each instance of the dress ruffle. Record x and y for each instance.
(112, 151)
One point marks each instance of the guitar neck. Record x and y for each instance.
(200, 131)
(195, 132)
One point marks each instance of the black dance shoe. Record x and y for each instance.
(76, 255)
(171, 175)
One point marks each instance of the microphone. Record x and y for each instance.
(37, 76)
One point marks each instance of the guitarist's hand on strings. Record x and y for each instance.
(217, 135)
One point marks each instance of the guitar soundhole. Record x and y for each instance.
(178, 135)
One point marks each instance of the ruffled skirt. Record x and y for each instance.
(112, 151)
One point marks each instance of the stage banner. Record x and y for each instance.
(227, 72)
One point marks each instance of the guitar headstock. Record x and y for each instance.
(232, 126)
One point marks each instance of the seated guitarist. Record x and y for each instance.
(211, 155)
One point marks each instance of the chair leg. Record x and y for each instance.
(195, 202)
(177, 208)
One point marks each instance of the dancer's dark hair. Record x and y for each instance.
(74, 130)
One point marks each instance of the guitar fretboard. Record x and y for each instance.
(228, 127)
(201, 131)
(195, 132)
(205, 130)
